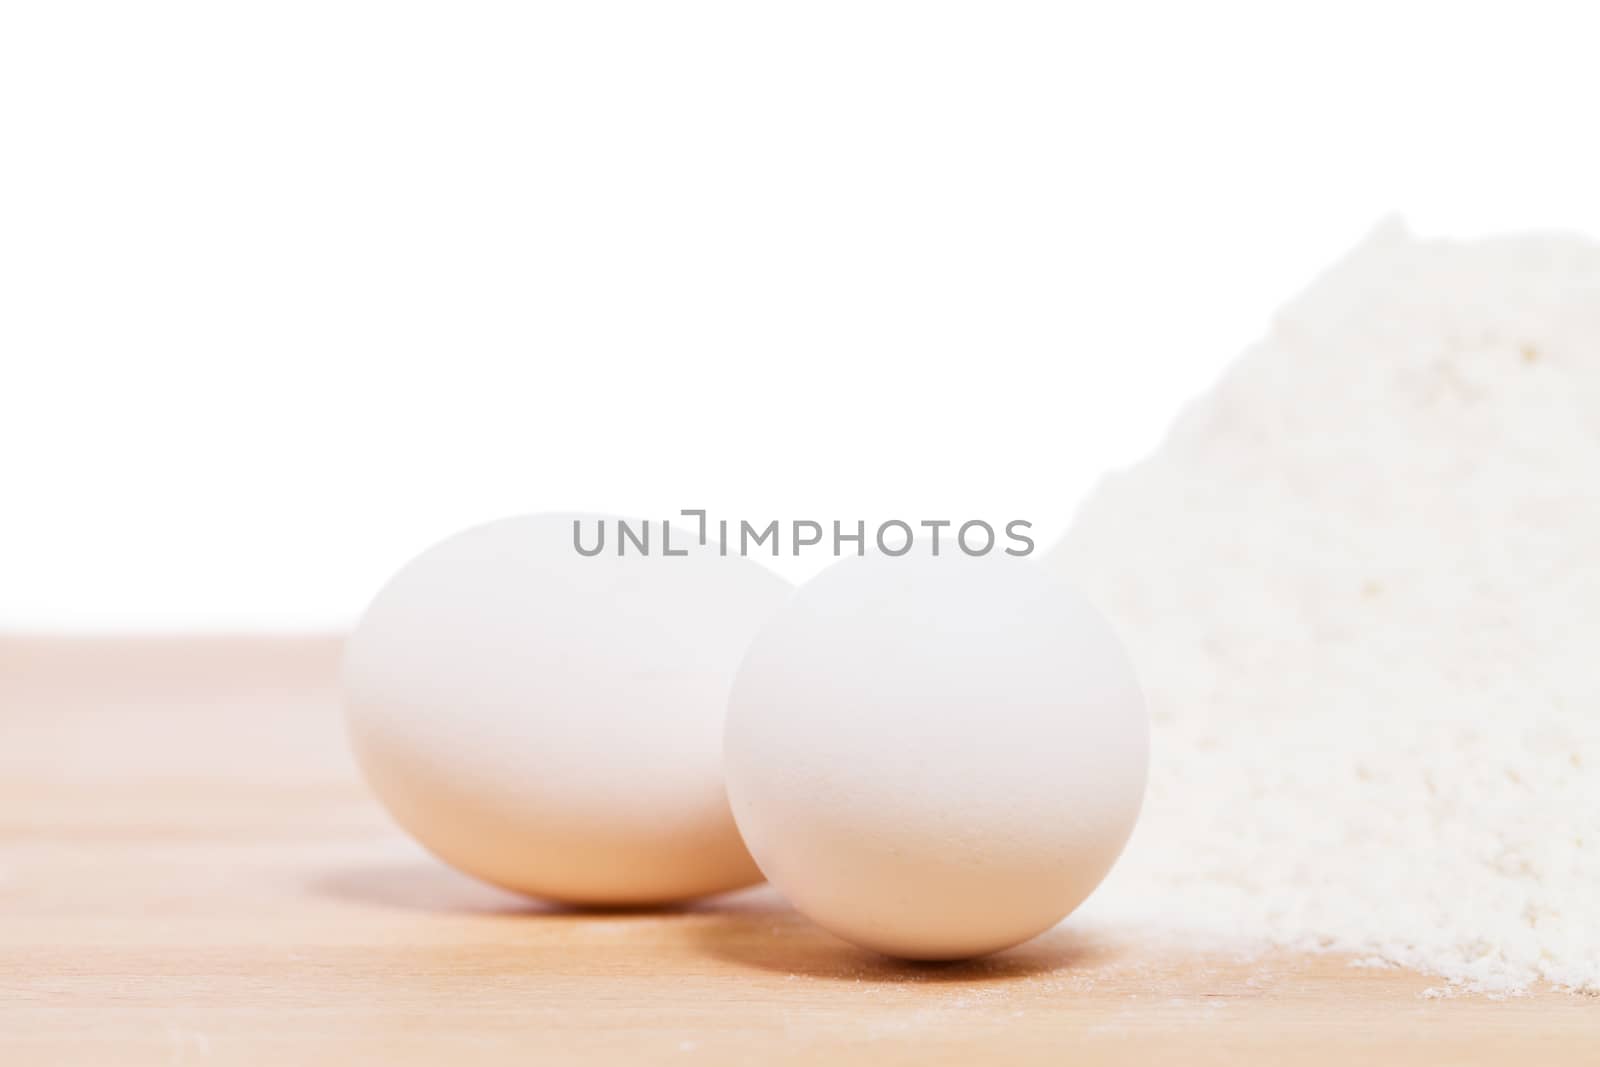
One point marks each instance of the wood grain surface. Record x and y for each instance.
(190, 871)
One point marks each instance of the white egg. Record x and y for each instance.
(552, 722)
(936, 758)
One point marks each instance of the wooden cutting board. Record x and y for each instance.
(191, 872)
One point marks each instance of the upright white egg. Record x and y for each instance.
(936, 757)
(552, 722)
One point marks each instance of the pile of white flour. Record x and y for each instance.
(1361, 580)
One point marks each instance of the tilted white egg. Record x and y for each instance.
(552, 722)
(936, 758)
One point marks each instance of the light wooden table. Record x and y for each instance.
(191, 872)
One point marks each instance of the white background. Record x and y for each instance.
(288, 291)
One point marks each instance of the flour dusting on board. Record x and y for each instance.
(1361, 580)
